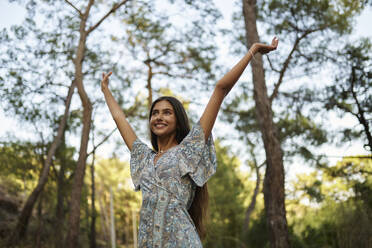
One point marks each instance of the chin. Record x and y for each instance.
(163, 133)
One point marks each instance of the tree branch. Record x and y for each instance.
(129, 113)
(288, 59)
(360, 114)
(271, 65)
(100, 143)
(112, 10)
(86, 14)
(283, 70)
(172, 75)
(73, 6)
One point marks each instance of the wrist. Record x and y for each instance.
(105, 90)
(253, 49)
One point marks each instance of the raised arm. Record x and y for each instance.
(225, 84)
(117, 113)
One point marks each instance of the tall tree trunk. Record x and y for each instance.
(93, 223)
(361, 113)
(252, 204)
(22, 223)
(104, 222)
(39, 223)
(78, 180)
(112, 220)
(149, 85)
(274, 176)
(60, 215)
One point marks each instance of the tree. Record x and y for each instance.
(84, 31)
(26, 212)
(115, 174)
(333, 204)
(58, 46)
(299, 23)
(47, 61)
(226, 198)
(351, 91)
(274, 176)
(168, 52)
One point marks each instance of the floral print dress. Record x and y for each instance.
(168, 189)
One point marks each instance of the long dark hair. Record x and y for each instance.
(199, 206)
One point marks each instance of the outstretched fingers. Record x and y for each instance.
(104, 82)
(274, 42)
(106, 76)
(263, 48)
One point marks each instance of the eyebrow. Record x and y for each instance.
(165, 109)
(155, 109)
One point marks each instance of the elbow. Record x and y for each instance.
(222, 89)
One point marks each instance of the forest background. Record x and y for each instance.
(64, 170)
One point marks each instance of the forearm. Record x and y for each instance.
(223, 87)
(230, 78)
(225, 84)
(118, 115)
(115, 109)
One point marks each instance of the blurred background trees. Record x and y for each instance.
(50, 70)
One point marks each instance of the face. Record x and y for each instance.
(163, 120)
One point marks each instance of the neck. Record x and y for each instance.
(165, 143)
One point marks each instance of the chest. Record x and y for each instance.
(164, 174)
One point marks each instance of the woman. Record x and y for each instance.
(173, 176)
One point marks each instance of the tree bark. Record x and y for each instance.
(75, 201)
(149, 85)
(39, 223)
(93, 224)
(61, 191)
(78, 180)
(274, 176)
(22, 223)
(361, 114)
(252, 204)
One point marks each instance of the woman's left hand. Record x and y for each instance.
(263, 48)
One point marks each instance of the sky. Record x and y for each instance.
(11, 14)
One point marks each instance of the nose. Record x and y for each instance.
(159, 117)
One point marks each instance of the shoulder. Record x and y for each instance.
(140, 147)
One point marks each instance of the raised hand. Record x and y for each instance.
(263, 48)
(105, 80)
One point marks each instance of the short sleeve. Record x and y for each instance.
(138, 160)
(197, 157)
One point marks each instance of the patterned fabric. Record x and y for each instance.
(168, 189)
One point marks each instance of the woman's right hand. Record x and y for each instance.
(263, 48)
(105, 80)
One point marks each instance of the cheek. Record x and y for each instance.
(173, 120)
(151, 123)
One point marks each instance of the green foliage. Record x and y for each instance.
(310, 15)
(226, 200)
(339, 213)
(20, 164)
(351, 91)
(113, 174)
(258, 234)
(329, 208)
(307, 30)
(168, 52)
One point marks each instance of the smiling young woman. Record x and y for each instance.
(173, 175)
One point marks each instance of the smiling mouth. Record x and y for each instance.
(159, 125)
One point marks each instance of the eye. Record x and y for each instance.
(155, 112)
